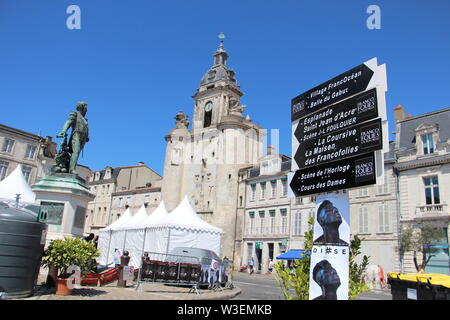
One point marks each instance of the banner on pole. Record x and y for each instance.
(329, 273)
(332, 219)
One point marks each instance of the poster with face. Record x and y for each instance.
(332, 218)
(329, 273)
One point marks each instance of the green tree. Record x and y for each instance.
(294, 284)
(357, 284)
(418, 241)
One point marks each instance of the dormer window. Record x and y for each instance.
(426, 138)
(427, 143)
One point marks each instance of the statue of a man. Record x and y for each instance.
(79, 136)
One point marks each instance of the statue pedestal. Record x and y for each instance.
(63, 198)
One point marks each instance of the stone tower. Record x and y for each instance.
(203, 163)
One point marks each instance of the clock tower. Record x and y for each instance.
(203, 163)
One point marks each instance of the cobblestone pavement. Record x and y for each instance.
(147, 291)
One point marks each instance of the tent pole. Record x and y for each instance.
(143, 244)
(124, 241)
(109, 247)
(168, 241)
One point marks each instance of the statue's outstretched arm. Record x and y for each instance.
(67, 125)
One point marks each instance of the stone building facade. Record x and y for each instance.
(108, 184)
(134, 199)
(422, 172)
(33, 152)
(203, 162)
(263, 191)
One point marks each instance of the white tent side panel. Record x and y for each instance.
(156, 240)
(181, 237)
(134, 243)
(103, 243)
(117, 242)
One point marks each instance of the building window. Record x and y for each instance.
(273, 186)
(261, 222)
(8, 145)
(297, 223)
(284, 185)
(31, 150)
(432, 190)
(363, 192)
(120, 202)
(263, 191)
(427, 143)
(240, 201)
(298, 200)
(384, 188)
(3, 169)
(251, 223)
(253, 192)
(26, 173)
(363, 220)
(384, 221)
(283, 220)
(272, 221)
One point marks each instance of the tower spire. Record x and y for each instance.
(220, 56)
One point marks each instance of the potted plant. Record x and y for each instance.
(70, 252)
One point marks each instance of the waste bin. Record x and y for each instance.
(419, 286)
(22, 240)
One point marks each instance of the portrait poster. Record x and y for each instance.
(332, 219)
(329, 273)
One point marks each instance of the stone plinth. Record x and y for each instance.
(63, 198)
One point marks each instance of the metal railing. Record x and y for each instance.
(432, 210)
(169, 269)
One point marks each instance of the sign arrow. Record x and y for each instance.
(343, 86)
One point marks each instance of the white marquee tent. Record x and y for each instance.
(136, 234)
(158, 232)
(182, 228)
(127, 233)
(14, 184)
(106, 240)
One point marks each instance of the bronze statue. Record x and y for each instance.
(67, 157)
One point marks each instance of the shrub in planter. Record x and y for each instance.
(63, 254)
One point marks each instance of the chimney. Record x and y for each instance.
(270, 150)
(399, 113)
(141, 163)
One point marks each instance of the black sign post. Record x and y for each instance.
(347, 173)
(343, 86)
(360, 108)
(344, 143)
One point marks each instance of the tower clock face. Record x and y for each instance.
(208, 106)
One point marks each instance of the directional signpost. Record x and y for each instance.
(338, 141)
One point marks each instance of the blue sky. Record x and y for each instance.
(138, 62)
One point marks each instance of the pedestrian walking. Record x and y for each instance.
(251, 264)
(270, 265)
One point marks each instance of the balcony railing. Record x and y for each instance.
(431, 210)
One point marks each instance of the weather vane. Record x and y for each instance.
(221, 36)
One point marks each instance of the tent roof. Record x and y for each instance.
(292, 254)
(158, 214)
(15, 183)
(136, 221)
(123, 219)
(184, 216)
